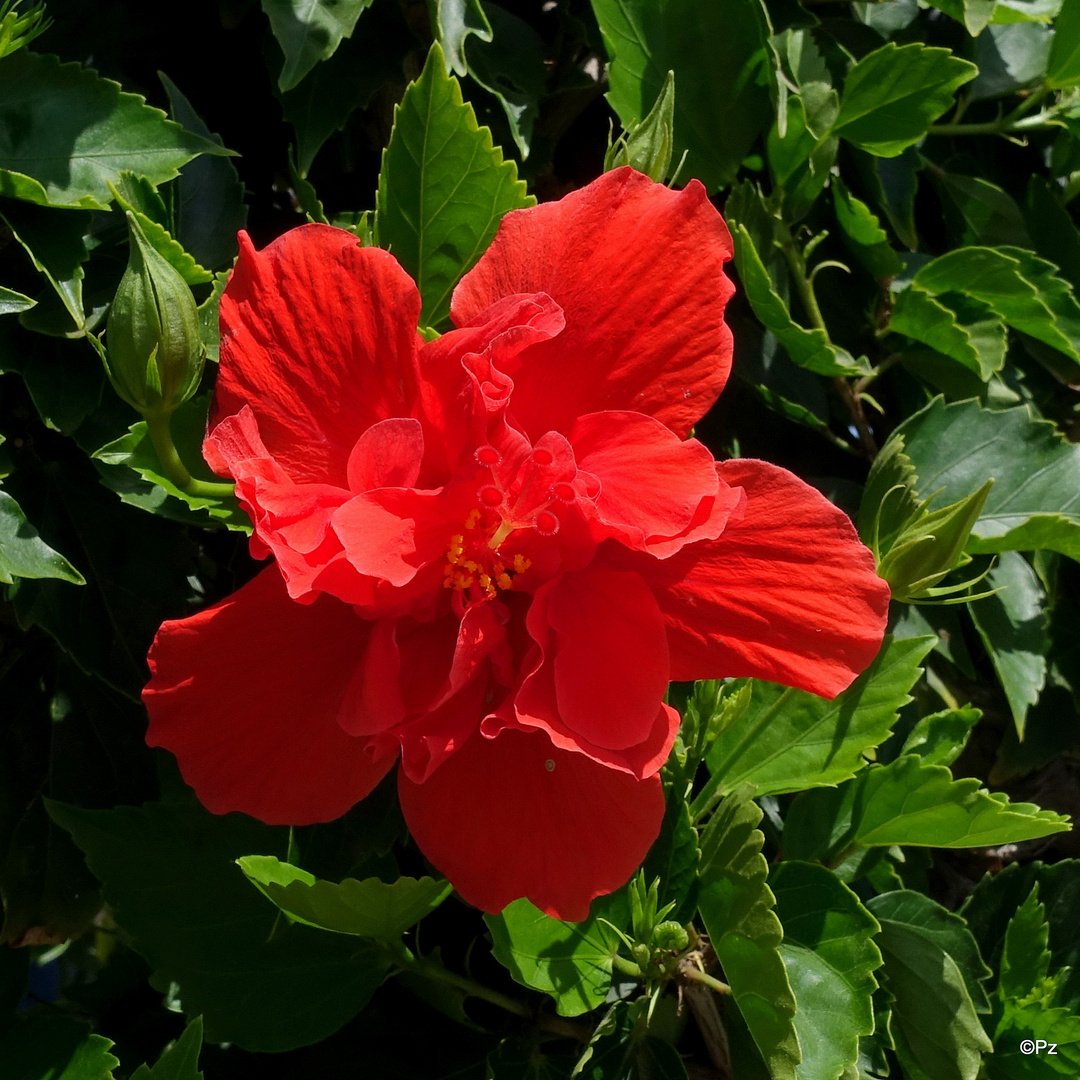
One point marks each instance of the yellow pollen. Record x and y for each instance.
(481, 565)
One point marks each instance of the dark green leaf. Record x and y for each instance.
(830, 960)
(12, 302)
(167, 870)
(54, 1047)
(736, 905)
(1013, 627)
(370, 908)
(1035, 500)
(864, 233)
(569, 961)
(718, 55)
(974, 14)
(673, 859)
(933, 969)
(788, 739)
(166, 246)
(1064, 66)
(443, 187)
(988, 214)
(1010, 58)
(24, 554)
(524, 1059)
(455, 21)
(622, 1049)
(65, 132)
(309, 31)
(209, 206)
(892, 96)
(180, 1061)
(939, 738)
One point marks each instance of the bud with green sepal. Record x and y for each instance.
(916, 547)
(647, 145)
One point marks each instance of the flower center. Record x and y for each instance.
(472, 559)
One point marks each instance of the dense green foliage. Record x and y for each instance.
(879, 886)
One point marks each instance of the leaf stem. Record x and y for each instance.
(1017, 120)
(173, 468)
(694, 974)
(627, 967)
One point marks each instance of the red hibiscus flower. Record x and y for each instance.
(493, 551)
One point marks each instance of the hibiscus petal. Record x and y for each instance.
(652, 484)
(514, 816)
(246, 695)
(318, 336)
(787, 594)
(637, 270)
(388, 454)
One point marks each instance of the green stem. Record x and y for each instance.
(696, 975)
(1017, 120)
(627, 967)
(173, 469)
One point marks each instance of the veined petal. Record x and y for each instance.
(515, 816)
(246, 694)
(638, 271)
(788, 593)
(318, 337)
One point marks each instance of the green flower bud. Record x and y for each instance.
(155, 356)
(671, 935)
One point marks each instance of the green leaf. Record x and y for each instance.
(974, 14)
(65, 132)
(830, 959)
(673, 858)
(370, 908)
(1057, 1027)
(455, 21)
(256, 981)
(135, 451)
(1012, 11)
(1064, 66)
(718, 54)
(939, 738)
(1035, 500)
(988, 214)
(810, 349)
(443, 187)
(622, 1048)
(647, 146)
(736, 905)
(309, 31)
(1021, 288)
(12, 302)
(788, 739)
(24, 554)
(910, 802)
(209, 201)
(54, 1047)
(864, 234)
(569, 961)
(1013, 627)
(893, 95)
(518, 1058)
(933, 970)
(1010, 58)
(180, 1061)
(966, 330)
(1025, 958)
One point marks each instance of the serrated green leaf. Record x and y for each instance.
(569, 961)
(1025, 958)
(260, 987)
(1013, 628)
(309, 31)
(788, 739)
(830, 959)
(910, 802)
(810, 349)
(1021, 288)
(939, 738)
(135, 451)
(370, 908)
(53, 1047)
(718, 54)
(65, 132)
(1056, 1027)
(893, 95)
(24, 554)
(960, 327)
(861, 228)
(1035, 500)
(1064, 66)
(443, 187)
(180, 1061)
(736, 905)
(933, 970)
(12, 302)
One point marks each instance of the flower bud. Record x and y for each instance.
(155, 356)
(671, 935)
